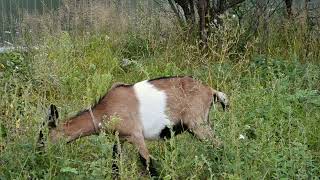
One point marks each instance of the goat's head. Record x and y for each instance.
(222, 98)
(51, 123)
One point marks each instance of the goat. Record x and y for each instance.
(146, 110)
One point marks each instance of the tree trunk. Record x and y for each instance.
(185, 7)
(206, 13)
(203, 12)
(289, 7)
(306, 12)
(119, 6)
(193, 15)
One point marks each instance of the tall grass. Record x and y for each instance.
(271, 130)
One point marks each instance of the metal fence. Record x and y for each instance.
(13, 12)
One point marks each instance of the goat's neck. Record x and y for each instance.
(82, 125)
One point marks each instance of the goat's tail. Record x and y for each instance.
(222, 98)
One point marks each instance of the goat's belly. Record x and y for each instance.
(152, 109)
(154, 126)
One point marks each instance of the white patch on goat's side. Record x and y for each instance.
(152, 107)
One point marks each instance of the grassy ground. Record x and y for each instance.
(274, 92)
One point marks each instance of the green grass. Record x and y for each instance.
(275, 105)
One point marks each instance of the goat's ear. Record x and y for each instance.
(53, 115)
(222, 98)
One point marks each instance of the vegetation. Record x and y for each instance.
(270, 132)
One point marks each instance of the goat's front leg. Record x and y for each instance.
(115, 157)
(138, 141)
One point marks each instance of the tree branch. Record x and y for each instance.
(176, 11)
(229, 4)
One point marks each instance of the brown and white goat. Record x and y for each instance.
(146, 110)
